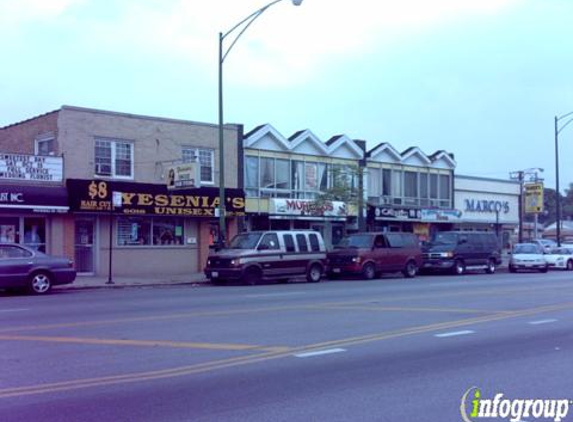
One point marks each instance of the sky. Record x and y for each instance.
(482, 79)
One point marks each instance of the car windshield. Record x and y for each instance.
(355, 241)
(561, 251)
(245, 241)
(445, 238)
(525, 249)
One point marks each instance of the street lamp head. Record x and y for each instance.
(297, 2)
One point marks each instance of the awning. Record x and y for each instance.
(42, 199)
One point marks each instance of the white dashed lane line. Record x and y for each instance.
(454, 333)
(319, 353)
(14, 310)
(542, 321)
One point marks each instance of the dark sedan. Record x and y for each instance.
(25, 268)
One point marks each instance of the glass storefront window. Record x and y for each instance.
(35, 233)
(9, 228)
(145, 231)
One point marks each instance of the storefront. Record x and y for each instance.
(488, 205)
(154, 231)
(420, 221)
(34, 216)
(330, 218)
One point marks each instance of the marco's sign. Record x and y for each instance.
(148, 199)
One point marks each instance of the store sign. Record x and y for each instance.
(44, 199)
(150, 199)
(391, 213)
(307, 207)
(486, 206)
(183, 176)
(441, 215)
(533, 198)
(31, 167)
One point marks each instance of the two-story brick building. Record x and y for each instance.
(117, 169)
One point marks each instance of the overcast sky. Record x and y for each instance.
(482, 79)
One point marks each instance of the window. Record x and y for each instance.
(267, 173)
(387, 182)
(433, 186)
(289, 242)
(113, 158)
(9, 251)
(374, 183)
(252, 177)
(282, 174)
(270, 241)
(410, 184)
(206, 159)
(145, 231)
(314, 243)
(301, 241)
(444, 186)
(35, 233)
(45, 145)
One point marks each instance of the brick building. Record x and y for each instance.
(106, 155)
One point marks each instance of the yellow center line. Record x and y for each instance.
(411, 309)
(271, 355)
(144, 343)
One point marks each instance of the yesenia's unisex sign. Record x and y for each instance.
(150, 199)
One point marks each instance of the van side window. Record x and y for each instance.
(379, 242)
(301, 241)
(395, 240)
(269, 241)
(289, 242)
(314, 243)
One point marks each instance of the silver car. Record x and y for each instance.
(25, 268)
(527, 256)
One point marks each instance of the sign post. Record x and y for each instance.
(115, 202)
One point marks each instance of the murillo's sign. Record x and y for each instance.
(307, 207)
(150, 199)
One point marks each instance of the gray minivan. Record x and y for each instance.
(269, 255)
(459, 251)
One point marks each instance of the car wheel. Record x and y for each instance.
(512, 269)
(314, 273)
(410, 270)
(490, 269)
(40, 283)
(252, 276)
(569, 265)
(544, 269)
(369, 271)
(459, 267)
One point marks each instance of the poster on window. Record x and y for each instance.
(7, 233)
(311, 177)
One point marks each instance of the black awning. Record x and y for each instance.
(34, 198)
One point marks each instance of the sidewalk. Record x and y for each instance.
(95, 282)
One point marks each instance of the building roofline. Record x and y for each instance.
(488, 179)
(30, 119)
(142, 116)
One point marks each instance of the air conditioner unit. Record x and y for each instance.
(103, 169)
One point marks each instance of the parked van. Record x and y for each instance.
(269, 255)
(370, 254)
(459, 251)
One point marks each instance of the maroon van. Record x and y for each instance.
(371, 254)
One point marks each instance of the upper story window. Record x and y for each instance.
(45, 145)
(206, 159)
(113, 158)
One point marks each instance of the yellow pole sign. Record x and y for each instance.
(533, 198)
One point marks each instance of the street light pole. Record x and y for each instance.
(558, 194)
(242, 27)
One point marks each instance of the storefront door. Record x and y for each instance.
(84, 246)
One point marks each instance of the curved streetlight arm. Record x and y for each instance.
(249, 20)
(566, 123)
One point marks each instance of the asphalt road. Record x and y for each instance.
(393, 349)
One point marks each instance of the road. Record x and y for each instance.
(392, 349)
